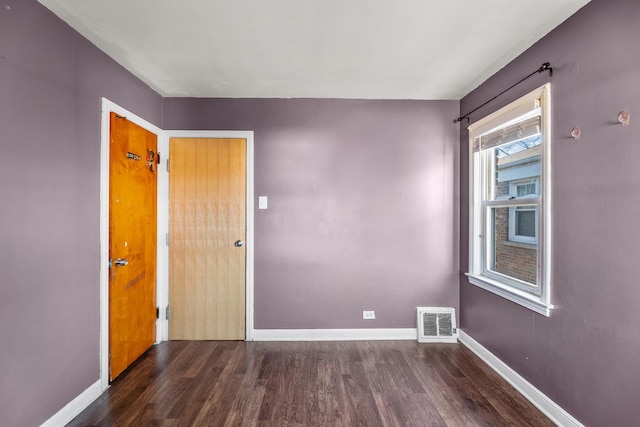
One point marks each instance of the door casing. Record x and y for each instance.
(162, 264)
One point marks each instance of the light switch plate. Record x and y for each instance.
(262, 202)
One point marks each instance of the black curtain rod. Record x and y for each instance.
(544, 67)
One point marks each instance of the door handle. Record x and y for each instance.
(239, 243)
(121, 262)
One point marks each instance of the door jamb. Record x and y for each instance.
(162, 211)
(249, 278)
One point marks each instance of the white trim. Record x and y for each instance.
(162, 299)
(545, 203)
(249, 278)
(335, 334)
(531, 393)
(73, 408)
(525, 299)
(108, 107)
(250, 238)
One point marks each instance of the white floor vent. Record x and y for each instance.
(437, 324)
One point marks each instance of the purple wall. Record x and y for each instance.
(362, 206)
(362, 211)
(350, 186)
(585, 356)
(51, 81)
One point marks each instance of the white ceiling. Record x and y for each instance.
(369, 49)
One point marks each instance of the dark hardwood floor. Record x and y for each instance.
(364, 383)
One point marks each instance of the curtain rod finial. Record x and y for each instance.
(544, 67)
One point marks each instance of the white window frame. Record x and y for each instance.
(535, 297)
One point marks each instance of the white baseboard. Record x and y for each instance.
(535, 396)
(73, 408)
(335, 334)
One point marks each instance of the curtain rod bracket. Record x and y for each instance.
(544, 67)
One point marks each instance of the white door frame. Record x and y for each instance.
(248, 136)
(108, 107)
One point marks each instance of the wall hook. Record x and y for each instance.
(576, 132)
(624, 117)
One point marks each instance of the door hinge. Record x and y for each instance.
(167, 164)
(166, 240)
(167, 313)
(157, 312)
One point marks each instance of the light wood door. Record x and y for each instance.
(207, 228)
(132, 243)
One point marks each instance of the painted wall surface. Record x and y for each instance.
(585, 355)
(51, 83)
(362, 206)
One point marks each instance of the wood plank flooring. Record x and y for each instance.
(362, 383)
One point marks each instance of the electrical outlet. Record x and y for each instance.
(368, 315)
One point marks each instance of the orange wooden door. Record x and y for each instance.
(132, 243)
(207, 223)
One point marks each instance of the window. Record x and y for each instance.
(509, 202)
(523, 220)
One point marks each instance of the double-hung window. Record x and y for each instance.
(509, 230)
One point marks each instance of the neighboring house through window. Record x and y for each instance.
(509, 202)
(523, 220)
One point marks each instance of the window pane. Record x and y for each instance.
(516, 147)
(514, 260)
(524, 190)
(516, 166)
(525, 222)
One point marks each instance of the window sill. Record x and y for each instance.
(532, 302)
(520, 244)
